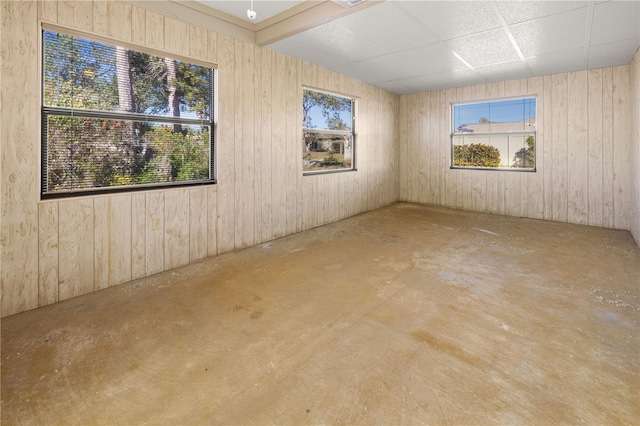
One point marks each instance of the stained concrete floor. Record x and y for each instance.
(405, 315)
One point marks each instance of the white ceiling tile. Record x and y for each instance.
(395, 87)
(558, 62)
(391, 66)
(389, 26)
(425, 83)
(485, 48)
(615, 21)
(309, 53)
(612, 54)
(430, 59)
(459, 78)
(451, 19)
(341, 42)
(505, 71)
(528, 10)
(554, 33)
(361, 71)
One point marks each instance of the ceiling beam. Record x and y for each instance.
(198, 14)
(302, 17)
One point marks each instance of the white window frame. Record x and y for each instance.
(468, 138)
(351, 134)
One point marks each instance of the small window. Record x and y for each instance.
(114, 118)
(328, 132)
(497, 134)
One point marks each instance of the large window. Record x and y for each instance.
(114, 118)
(328, 140)
(498, 134)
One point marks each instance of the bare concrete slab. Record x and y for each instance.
(404, 315)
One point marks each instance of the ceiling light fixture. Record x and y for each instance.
(251, 14)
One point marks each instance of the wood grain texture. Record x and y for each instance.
(138, 235)
(76, 14)
(582, 141)
(198, 218)
(19, 142)
(176, 228)
(578, 172)
(154, 232)
(621, 147)
(634, 165)
(47, 253)
(594, 147)
(76, 247)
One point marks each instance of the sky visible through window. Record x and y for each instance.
(512, 110)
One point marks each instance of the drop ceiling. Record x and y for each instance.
(413, 46)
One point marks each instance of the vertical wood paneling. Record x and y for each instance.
(403, 147)
(212, 220)
(198, 218)
(535, 181)
(154, 233)
(48, 11)
(100, 17)
(247, 153)
(80, 245)
(138, 235)
(257, 147)
(154, 30)
(176, 36)
(176, 228)
(76, 246)
(560, 135)
(47, 253)
(119, 20)
(578, 174)
(278, 138)
(514, 193)
(621, 147)
(138, 25)
(607, 146)
(76, 14)
(594, 147)
(19, 178)
(225, 151)
(583, 128)
(266, 158)
(547, 149)
(111, 241)
(238, 163)
(634, 165)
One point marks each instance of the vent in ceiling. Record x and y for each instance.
(349, 3)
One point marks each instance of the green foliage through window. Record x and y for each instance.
(116, 117)
(328, 132)
(497, 134)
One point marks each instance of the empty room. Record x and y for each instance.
(260, 212)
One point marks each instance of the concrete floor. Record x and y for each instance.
(405, 315)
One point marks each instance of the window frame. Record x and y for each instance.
(453, 135)
(322, 131)
(48, 111)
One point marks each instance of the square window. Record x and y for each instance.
(494, 135)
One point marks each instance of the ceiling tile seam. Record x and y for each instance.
(514, 43)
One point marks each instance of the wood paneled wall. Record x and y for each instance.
(583, 145)
(54, 250)
(635, 147)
